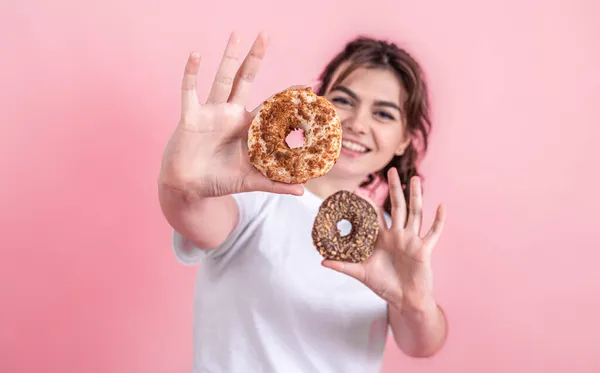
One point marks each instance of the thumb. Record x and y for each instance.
(355, 270)
(255, 181)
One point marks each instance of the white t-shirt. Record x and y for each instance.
(264, 303)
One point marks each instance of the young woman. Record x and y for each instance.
(265, 300)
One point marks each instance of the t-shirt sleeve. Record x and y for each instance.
(250, 205)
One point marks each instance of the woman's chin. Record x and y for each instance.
(345, 167)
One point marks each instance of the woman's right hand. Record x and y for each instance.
(207, 155)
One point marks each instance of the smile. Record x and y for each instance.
(354, 146)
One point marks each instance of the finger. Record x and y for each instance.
(221, 88)
(415, 211)
(397, 199)
(355, 270)
(283, 188)
(257, 182)
(380, 213)
(247, 72)
(314, 84)
(189, 94)
(435, 231)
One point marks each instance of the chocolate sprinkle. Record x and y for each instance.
(358, 245)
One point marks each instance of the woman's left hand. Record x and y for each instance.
(399, 269)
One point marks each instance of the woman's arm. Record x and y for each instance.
(399, 271)
(206, 222)
(419, 332)
(205, 161)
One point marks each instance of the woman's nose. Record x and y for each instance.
(356, 123)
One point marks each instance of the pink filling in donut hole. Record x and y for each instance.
(295, 139)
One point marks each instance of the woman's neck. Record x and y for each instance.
(328, 184)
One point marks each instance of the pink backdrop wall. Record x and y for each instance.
(89, 95)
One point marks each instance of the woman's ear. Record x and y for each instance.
(402, 147)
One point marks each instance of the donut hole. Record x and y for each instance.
(345, 227)
(295, 138)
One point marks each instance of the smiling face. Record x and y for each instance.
(370, 105)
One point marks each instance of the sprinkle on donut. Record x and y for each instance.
(354, 247)
(283, 113)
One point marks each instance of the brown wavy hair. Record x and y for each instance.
(373, 53)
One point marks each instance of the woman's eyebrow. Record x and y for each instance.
(347, 91)
(355, 97)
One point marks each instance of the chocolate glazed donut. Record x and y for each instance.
(356, 246)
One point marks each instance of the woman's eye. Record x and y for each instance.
(341, 101)
(384, 115)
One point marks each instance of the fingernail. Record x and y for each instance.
(314, 83)
(234, 37)
(266, 37)
(298, 192)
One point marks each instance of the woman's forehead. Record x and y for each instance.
(371, 84)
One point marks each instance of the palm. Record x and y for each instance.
(399, 269)
(398, 264)
(218, 150)
(211, 138)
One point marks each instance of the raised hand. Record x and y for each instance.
(207, 155)
(399, 270)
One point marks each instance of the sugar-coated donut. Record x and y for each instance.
(356, 246)
(280, 115)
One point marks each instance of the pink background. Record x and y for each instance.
(89, 96)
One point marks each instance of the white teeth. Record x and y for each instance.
(353, 146)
